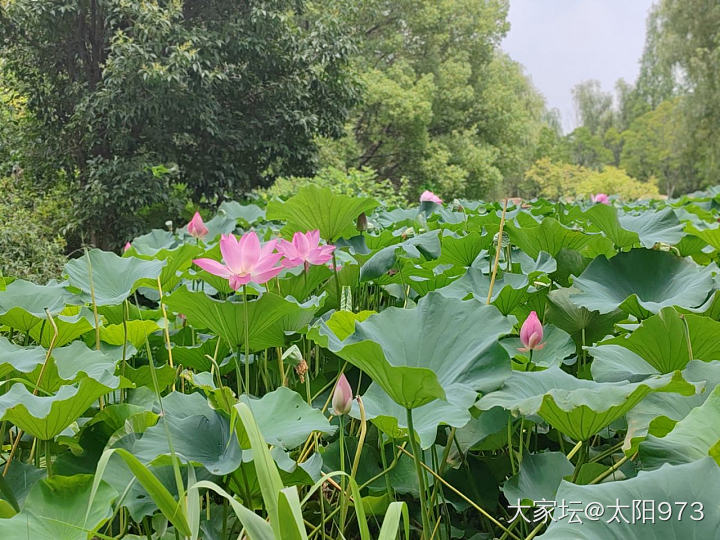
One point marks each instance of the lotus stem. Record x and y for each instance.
(497, 253)
(420, 475)
(166, 333)
(343, 503)
(337, 278)
(465, 498)
(247, 343)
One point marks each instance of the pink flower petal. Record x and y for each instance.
(214, 267)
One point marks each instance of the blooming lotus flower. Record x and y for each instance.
(126, 246)
(429, 196)
(531, 333)
(601, 198)
(304, 249)
(342, 396)
(245, 260)
(196, 227)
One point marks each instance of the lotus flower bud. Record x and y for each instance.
(429, 196)
(601, 198)
(531, 333)
(197, 227)
(126, 246)
(342, 397)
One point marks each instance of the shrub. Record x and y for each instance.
(357, 182)
(32, 231)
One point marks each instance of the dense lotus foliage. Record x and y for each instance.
(327, 366)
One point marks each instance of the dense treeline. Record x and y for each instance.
(141, 111)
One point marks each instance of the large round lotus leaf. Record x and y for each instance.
(46, 416)
(16, 358)
(314, 207)
(59, 508)
(133, 332)
(23, 304)
(585, 326)
(250, 213)
(551, 236)
(614, 363)
(661, 342)
(73, 323)
(110, 277)
(509, 290)
(154, 241)
(419, 355)
(391, 418)
(538, 478)
(269, 317)
(462, 251)
(199, 434)
(285, 419)
(653, 227)
(605, 218)
(176, 260)
(641, 282)
(424, 245)
(577, 407)
(692, 438)
(689, 483)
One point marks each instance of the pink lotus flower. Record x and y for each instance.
(342, 396)
(196, 227)
(245, 260)
(429, 196)
(304, 249)
(601, 198)
(531, 333)
(126, 246)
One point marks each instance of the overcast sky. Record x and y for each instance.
(564, 42)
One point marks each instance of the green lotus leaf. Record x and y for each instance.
(642, 282)
(605, 218)
(46, 416)
(658, 345)
(678, 485)
(585, 326)
(653, 227)
(142, 376)
(78, 359)
(577, 407)
(23, 304)
(266, 315)
(391, 418)
(695, 436)
(462, 251)
(195, 356)
(176, 260)
(285, 419)
(114, 278)
(154, 241)
(73, 323)
(57, 508)
(488, 430)
(425, 245)
(314, 207)
(198, 433)
(509, 290)
(658, 413)
(538, 478)
(552, 237)
(137, 332)
(16, 358)
(250, 213)
(432, 356)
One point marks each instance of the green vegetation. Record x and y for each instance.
(417, 379)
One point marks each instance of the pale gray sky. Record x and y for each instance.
(564, 42)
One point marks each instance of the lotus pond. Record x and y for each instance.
(461, 370)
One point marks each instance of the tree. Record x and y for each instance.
(227, 94)
(656, 146)
(683, 57)
(587, 149)
(593, 107)
(443, 107)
